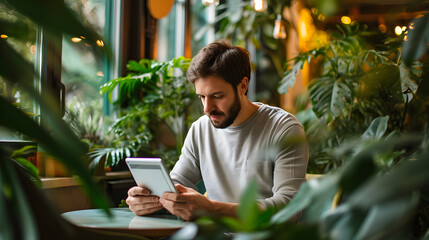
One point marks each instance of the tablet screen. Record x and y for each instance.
(152, 174)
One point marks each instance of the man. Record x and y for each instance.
(227, 147)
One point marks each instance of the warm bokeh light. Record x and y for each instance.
(382, 28)
(210, 2)
(82, 37)
(405, 38)
(100, 74)
(76, 39)
(3, 36)
(33, 49)
(100, 43)
(309, 36)
(314, 11)
(279, 28)
(398, 30)
(321, 17)
(259, 5)
(404, 28)
(346, 20)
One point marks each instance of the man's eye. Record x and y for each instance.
(217, 96)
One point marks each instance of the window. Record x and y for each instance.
(84, 64)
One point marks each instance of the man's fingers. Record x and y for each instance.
(138, 191)
(182, 189)
(142, 200)
(174, 205)
(146, 211)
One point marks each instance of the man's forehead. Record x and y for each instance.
(212, 84)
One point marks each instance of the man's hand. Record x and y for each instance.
(141, 202)
(186, 204)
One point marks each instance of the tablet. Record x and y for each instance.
(152, 174)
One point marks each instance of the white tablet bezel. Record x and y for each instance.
(157, 179)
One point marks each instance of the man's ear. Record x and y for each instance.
(244, 85)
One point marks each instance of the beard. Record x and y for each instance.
(230, 117)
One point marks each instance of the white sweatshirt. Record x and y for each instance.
(228, 159)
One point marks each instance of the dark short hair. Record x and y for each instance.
(220, 59)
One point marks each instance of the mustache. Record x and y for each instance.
(216, 113)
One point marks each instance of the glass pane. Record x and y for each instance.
(83, 72)
(166, 36)
(201, 17)
(21, 36)
(83, 65)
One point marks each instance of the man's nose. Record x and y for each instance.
(208, 105)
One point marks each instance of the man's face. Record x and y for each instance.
(220, 100)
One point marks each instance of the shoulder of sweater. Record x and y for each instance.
(279, 115)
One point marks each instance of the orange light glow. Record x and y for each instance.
(100, 43)
(398, 30)
(382, 28)
(346, 20)
(76, 39)
(33, 49)
(4, 36)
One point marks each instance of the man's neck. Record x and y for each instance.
(247, 110)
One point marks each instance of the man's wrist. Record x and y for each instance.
(223, 208)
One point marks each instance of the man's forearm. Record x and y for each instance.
(224, 209)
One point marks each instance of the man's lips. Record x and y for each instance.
(216, 117)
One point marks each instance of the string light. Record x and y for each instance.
(100, 43)
(259, 5)
(279, 28)
(210, 2)
(346, 20)
(398, 30)
(4, 36)
(76, 39)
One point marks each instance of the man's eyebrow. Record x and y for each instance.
(211, 94)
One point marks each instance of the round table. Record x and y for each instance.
(123, 220)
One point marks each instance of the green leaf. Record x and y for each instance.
(29, 169)
(289, 79)
(384, 219)
(248, 210)
(418, 38)
(314, 198)
(377, 128)
(17, 202)
(337, 103)
(59, 140)
(392, 185)
(408, 86)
